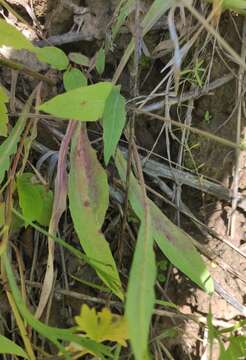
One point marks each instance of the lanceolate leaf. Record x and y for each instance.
(9, 146)
(84, 104)
(3, 113)
(88, 201)
(114, 118)
(173, 242)
(178, 248)
(140, 293)
(9, 347)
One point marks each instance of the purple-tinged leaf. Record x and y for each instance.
(88, 201)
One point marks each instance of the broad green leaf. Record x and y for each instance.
(140, 293)
(175, 244)
(53, 56)
(9, 347)
(79, 59)
(84, 104)
(34, 199)
(88, 201)
(3, 113)
(55, 335)
(10, 36)
(114, 118)
(102, 326)
(100, 61)
(73, 79)
(9, 146)
(236, 349)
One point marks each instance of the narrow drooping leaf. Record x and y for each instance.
(84, 104)
(114, 118)
(155, 12)
(2, 211)
(9, 146)
(73, 79)
(10, 36)
(9, 347)
(34, 199)
(140, 293)
(3, 113)
(52, 56)
(59, 206)
(123, 11)
(176, 245)
(88, 201)
(100, 61)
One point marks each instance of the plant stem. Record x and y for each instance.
(20, 67)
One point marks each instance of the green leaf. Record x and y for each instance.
(34, 199)
(175, 244)
(10, 36)
(88, 201)
(79, 59)
(2, 212)
(155, 12)
(73, 79)
(9, 146)
(140, 293)
(114, 118)
(84, 104)
(102, 326)
(3, 113)
(100, 61)
(236, 349)
(9, 347)
(124, 9)
(238, 6)
(53, 56)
